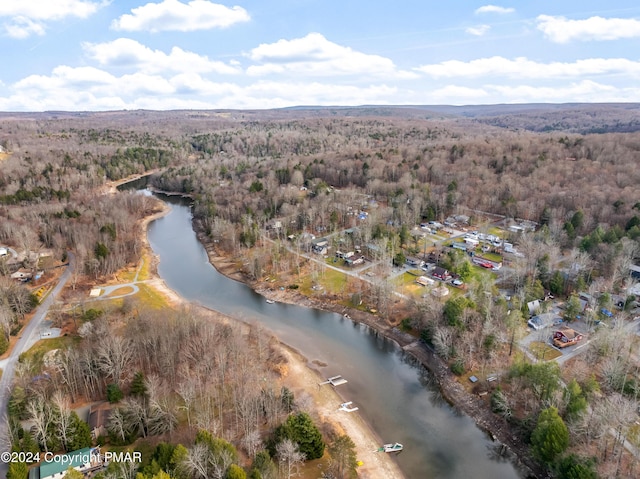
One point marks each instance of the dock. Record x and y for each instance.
(334, 381)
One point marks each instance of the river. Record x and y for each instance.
(394, 396)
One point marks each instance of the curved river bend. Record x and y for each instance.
(394, 396)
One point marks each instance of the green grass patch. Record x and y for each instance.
(36, 353)
(495, 257)
(335, 262)
(406, 284)
(543, 351)
(329, 281)
(144, 269)
(121, 291)
(495, 231)
(150, 297)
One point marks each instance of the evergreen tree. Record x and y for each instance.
(550, 438)
(263, 466)
(81, 436)
(114, 394)
(574, 467)
(576, 402)
(17, 470)
(300, 429)
(343, 456)
(236, 472)
(138, 387)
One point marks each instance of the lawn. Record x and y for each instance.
(329, 280)
(128, 275)
(544, 351)
(406, 284)
(150, 297)
(36, 354)
(121, 291)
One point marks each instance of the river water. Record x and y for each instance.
(394, 396)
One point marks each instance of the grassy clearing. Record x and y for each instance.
(151, 297)
(406, 284)
(144, 272)
(121, 291)
(36, 354)
(126, 275)
(329, 280)
(335, 262)
(543, 351)
(497, 232)
(309, 469)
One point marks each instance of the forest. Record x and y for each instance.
(264, 182)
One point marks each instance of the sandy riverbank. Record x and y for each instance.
(303, 380)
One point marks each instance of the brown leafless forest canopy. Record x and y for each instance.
(423, 161)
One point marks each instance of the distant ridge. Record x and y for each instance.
(582, 118)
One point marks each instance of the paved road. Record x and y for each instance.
(21, 346)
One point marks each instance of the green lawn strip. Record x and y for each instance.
(495, 257)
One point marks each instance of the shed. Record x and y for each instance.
(424, 281)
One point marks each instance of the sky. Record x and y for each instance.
(96, 55)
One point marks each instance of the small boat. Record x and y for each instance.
(397, 447)
(270, 301)
(347, 407)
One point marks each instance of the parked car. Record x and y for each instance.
(457, 283)
(606, 312)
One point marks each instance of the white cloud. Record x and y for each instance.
(124, 52)
(521, 67)
(494, 9)
(174, 15)
(49, 9)
(478, 30)
(29, 17)
(22, 27)
(89, 88)
(563, 30)
(582, 91)
(314, 55)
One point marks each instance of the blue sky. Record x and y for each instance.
(194, 54)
